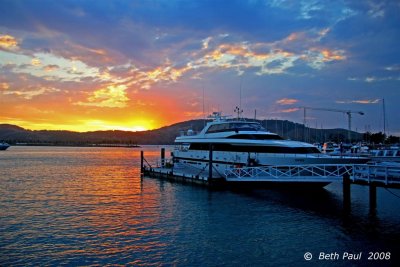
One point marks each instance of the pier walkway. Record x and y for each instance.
(289, 173)
(376, 175)
(379, 175)
(371, 175)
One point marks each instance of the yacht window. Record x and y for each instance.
(235, 126)
(182, 147)
(256, 149)
(256, 136)
(218, 128)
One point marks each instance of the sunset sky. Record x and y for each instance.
(136, 65)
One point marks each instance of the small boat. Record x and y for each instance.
(4, 146)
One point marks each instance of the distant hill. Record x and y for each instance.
(166, 135)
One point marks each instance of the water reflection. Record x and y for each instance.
(89, 206)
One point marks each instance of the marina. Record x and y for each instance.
(377, 175)
(299, 177)
(200, 133)
(241, 154)
(90, 206)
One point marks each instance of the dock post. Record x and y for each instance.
(210, 162)
(346, 192)
(162, 157)
(141, 161)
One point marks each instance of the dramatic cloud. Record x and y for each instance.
(8, 42)
(31, 92)
(113, 96)
(364, 101)
(4, 86)
(287, 101)
(290, 110)
(129, 64)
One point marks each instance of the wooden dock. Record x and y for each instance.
(372, 175)
(182, 175)
(364, 174)
(379, 175)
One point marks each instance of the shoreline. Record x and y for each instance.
(77, 145)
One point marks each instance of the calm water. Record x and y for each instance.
(89, 206)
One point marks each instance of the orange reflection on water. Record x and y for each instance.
(120, 207)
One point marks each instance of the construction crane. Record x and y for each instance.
(347, 112)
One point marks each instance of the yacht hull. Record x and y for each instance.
(223, 160)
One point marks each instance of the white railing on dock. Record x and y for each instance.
(290, 173)
(359, 173)
(387, 175)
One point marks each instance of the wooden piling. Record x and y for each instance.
(162, 157)
(141, 161)
(210, 162)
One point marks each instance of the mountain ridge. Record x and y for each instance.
(14, 134)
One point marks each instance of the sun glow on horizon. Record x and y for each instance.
(88, 126)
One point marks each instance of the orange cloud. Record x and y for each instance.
(373, 101)
(362, 101)
(289, 110)
(31, 92)
(324, 32)
(295, 36)
(237, 56)
(8, 41)
(51, 67)
(287, 101)
(332, 55)
(113, 96)
(317, 57)
(165, 72)
(292, 37)
(36, 62)
(4, 86)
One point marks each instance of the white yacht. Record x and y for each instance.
(240, 143)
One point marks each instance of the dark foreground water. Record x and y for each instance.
(89, 206)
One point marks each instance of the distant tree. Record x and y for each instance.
(377, 138)
(393, 139)
(367, 137)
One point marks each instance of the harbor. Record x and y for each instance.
(90, 206)
(299, 177)
(200, 133)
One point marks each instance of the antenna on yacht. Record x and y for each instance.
(238, 111)
(384, 116)
(204, 114)
(240, 93)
